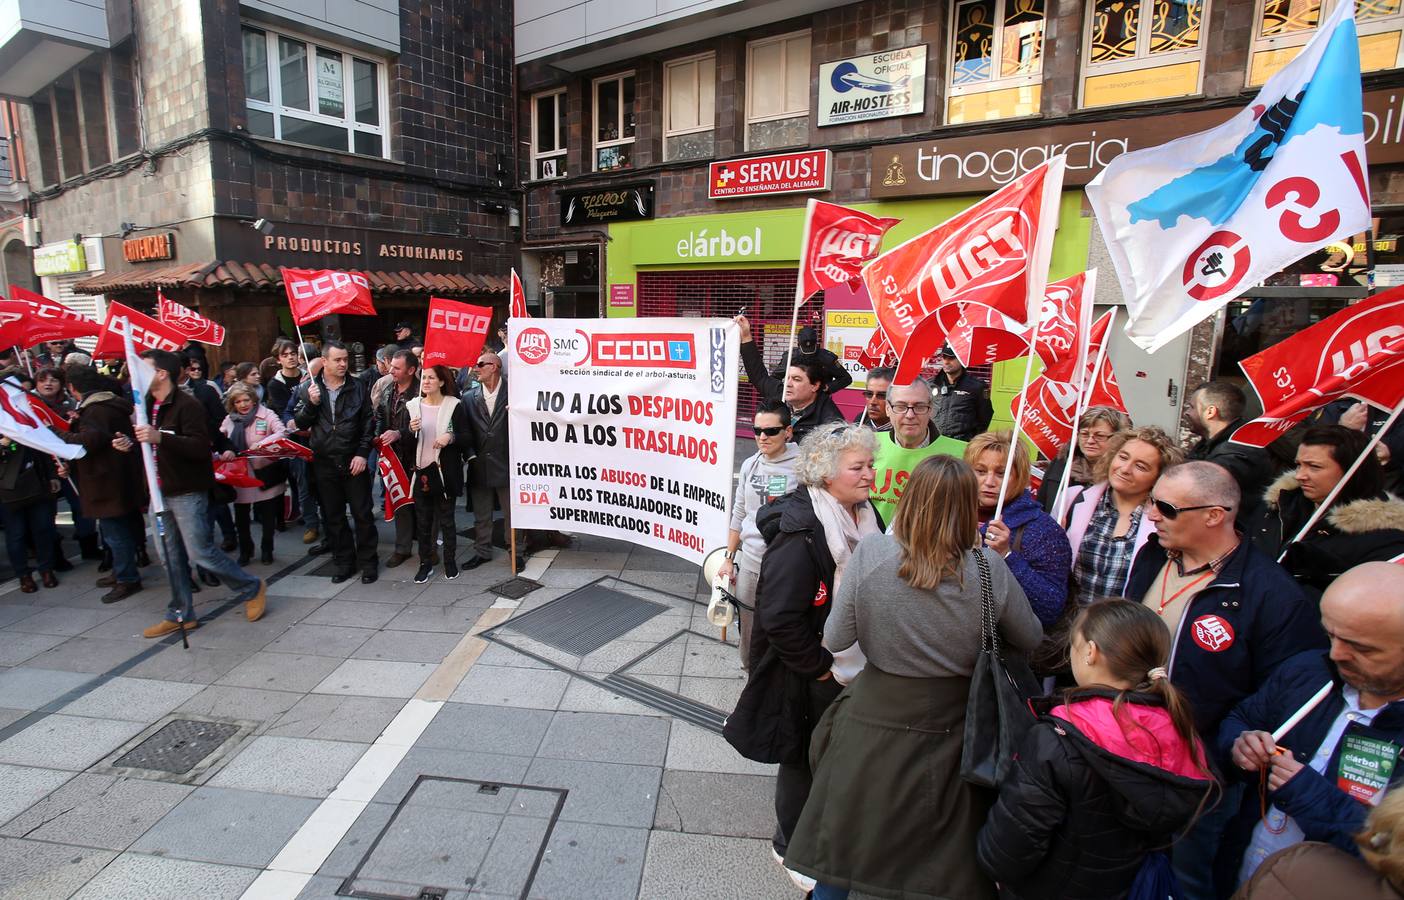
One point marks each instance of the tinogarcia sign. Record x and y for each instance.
(880, 86)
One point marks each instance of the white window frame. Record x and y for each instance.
(1143, 58)
(274, 103)
(558, 97)
(1363, 27)
(994, 82)
(596, 145)
(781, 39)
(668, 68)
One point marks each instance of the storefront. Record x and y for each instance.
(62, 265)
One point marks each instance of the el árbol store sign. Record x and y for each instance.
(778, 173)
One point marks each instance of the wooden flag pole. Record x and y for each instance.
(1018, 428)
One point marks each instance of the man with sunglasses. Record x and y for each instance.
(765, 477)
(911, 438)
(878, 380)
(1233, 614)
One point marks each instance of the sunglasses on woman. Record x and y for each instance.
(768, 431)
(1170, 511)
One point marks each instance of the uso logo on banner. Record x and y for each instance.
(1212, 633)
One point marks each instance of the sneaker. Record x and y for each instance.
(121, 592)
(450, 570)
(256, 604)
(423, 574)
(310, 536)
(166, 626)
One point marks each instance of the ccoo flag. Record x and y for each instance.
(1193, 223)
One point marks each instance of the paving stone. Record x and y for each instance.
(511, 686)
(595, 862)
(509, 860)
(67, 742)
(601, 793)
(322, 887)
(64, 620)
(408, 646)
(697, 750)
(596, 560)
(198, 665)
(716, 803)
(352, 614)
(281, 671)
(12, 613)
(646, 561)
(619, 653)
(397, 592)
(431, 846)
(452, 619)
(352, 847)
(487, 729)
(330, 717)
(321, 640)
(503, 655)
(718, 693)
(91, 655)
(128, 625)
(375, 678)
(451, 764)
(602, 737)
(248, 704)
(302, 767)
(31, 869)
(582, 696)
(305, 586)
(97, 811)
(709, 659)
(227, 826)
(26, 688)
(22, 786)
(136, 876)
(133, 699)
(678, 863)
(9, 716)
(18, 646)
(574, 578)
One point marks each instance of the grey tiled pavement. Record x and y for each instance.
(654, 807)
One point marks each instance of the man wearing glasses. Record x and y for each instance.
(488, 471)
(875, 397)
(1233, 614)
(911, 438)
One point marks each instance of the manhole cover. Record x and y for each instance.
(586, 619)
(514, 588)
(178, 746)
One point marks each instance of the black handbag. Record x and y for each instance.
(997, 715)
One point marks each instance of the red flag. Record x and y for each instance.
(397, 484)
(838, 242)
(878, 351)
(456, 332)
(313, 293)
(47, 416)
(188, 322)
(518, 308)
(49, 320)
(1048, 414)
(1059, 339)
(235, 473)
(995, 253)
(983, 336)
(147, 333)
(279, 447)
(1356, 352)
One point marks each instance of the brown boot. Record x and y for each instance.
(255, 607)
(165, 627)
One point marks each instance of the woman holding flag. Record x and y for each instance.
(445, 437)
(248, 424)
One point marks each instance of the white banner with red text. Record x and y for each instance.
(624, 428)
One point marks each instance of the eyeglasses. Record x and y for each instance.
(486, 365)
(1100, 437)
(881, 395)
(1170, 511)
(769, 431)
(919, 409)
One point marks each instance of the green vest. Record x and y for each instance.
(894, 464)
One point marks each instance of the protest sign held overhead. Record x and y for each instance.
(314, 293)
(1194, 223)
(146, 333)
(624, 428)
(455, 333)
(188, 322)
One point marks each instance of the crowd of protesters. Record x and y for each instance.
(1219, 704)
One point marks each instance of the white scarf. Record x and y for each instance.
(842, 533)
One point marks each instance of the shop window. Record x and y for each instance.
(548, 135)
(996, 60)
(777, 92)
(308, 93)
(614, 122)
(689, 108)
(1141, 50)
(1283, 27)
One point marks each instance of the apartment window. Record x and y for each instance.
(689, 107)
(309, 93)
(1283, 27)
(777, 92)
(548, 135)
(1141, 50)
(996, 60)
(614, 122)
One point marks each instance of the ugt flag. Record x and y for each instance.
(1193, 223)
(837, 242)
(456, 333)
(313, 293)
(188, 322)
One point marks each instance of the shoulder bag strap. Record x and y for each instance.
(989, 636)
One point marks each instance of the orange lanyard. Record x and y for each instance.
(1165, 583)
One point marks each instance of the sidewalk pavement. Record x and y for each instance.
(363, 739)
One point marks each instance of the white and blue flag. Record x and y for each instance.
(1194, 223)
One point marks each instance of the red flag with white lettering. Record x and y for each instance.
(1063, 335)
(456, 332)
(147, 333)
(995, 252)
(188, 322)
(1357, 352)
(518, 309)
(314, 293)
(397, 484)
(838, 242)
(982, 336)
(49, 417)
(1049, 410)
(279, 447)
(49, 319)
(878, 351)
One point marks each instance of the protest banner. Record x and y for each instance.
(623, 428)
(235, 473)
(20, 423)
(146, 333)
(455, 333)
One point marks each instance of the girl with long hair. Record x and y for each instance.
(1111, 772)
(444, 438)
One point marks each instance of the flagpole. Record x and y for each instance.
(800, 296)
(1082, 405)
(1018, 429)
(19, 351)
(1324, 505)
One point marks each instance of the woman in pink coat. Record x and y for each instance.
(248, 424)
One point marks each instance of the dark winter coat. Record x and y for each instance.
(836, 377)
(215, 412)
(1322, 810)
(1090, 796)
(110, 482)
(184, 458)
(962, 407)
(1039, 556)
(1251, 467)
(277, 395)
(1349, 534)
(1235, 632)
(391, 415)
(821, 412)
(26, 476)
(1315, 871)
(491, 467)
(340, 434)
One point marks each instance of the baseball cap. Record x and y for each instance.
(946, 351)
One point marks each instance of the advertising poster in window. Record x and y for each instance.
(331, 95)
(846, 333)
(624, 428)
(880, 86)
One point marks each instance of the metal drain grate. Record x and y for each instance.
(178, 746)
(585, 620)
(514, 588)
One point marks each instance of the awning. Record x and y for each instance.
(263, 277)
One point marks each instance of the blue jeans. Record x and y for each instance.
(219, 514)
(306, 499)
(193, 542)
(117, 532)
(34, 520)
(82, 527)
(824, 891)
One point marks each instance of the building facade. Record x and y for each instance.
(644, 130)
(194, 147)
